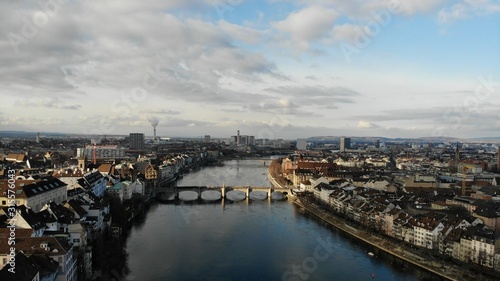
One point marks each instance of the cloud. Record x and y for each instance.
(455, 120)
(467, 9)
(319, 24)
(309, 24)
(364, 9)
(243, 34)
(115, 48)
(18, 123)
(197, 66)
(316, 94)
(177, 122)
(366, 125)
(456, 12)
(348, 33)
(161, 111)
(45, 102)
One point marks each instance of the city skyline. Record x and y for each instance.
(273, 69)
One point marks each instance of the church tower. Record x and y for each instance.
(82, 163)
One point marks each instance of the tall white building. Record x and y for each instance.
(301, 144)
(345, 143)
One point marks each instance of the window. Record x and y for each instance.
(4, 202)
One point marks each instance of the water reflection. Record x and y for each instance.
(248, 240)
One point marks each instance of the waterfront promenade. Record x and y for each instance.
(446, 270)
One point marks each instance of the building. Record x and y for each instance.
(55, 248)
(136, 141)
(34, 193)
(116, 191)
(122, 190)
(207, 138)
(426, 232)
(25, 270)
(69, 177)
(345, 143)
(95, 182)
(242, 139)
(322, 192)
(301, 144)
(101, 152)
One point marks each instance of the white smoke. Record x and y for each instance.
(154, 121)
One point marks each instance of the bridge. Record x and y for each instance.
(214, 193)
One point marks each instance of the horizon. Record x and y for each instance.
(272, 69)
(31, 134)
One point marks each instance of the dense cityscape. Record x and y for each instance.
(249, 140)
(68, 201)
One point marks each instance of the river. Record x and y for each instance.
(248, 240)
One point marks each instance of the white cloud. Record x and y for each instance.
(456, 12)
(45, 102)
(201, 67)
(467, 9)
(348, 33)
(366, 125)
(309, 24)
(364, 9)
(241, 33)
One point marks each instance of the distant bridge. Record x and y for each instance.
(171, 193)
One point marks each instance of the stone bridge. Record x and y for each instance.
(213, 193)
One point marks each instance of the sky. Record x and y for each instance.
(273, 69)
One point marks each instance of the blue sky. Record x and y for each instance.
(273, 69)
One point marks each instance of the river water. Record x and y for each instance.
(248, 240)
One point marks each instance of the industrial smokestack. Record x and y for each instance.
(154, 122)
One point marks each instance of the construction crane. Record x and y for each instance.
(464, 175)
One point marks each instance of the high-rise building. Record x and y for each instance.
(242, 140)
(301, 144)
(498, 167)
(207, 138)
(345, 143)
(136, 141)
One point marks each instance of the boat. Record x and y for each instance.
(370, 254)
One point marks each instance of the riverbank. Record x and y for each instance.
(445, 270)
(273, 174)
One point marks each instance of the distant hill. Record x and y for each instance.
(24, 134)
(438, 139)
